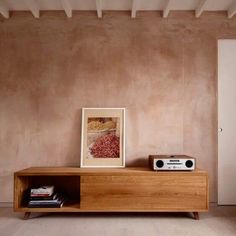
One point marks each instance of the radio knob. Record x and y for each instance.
(189, 163)
(159, 163)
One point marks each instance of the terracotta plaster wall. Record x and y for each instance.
(162, 70)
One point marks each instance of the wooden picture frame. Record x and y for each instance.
(103, 137)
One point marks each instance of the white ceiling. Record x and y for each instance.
(199, 6)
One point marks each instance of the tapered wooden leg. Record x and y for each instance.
(196, 215)
(27, 215)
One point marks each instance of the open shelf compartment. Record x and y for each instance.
(68, 186)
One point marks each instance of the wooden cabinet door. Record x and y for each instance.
(165, 192)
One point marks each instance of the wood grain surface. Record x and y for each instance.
(116, 190)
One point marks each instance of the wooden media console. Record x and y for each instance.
(116, 189)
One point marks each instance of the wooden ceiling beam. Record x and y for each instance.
(67, 7)
(4, 10)
(166, 9)
(232, 10)
(33, 7)
(99, 8)
(200, 8)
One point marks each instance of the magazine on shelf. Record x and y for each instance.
(58, 199)
(48, 205)
(41, 191)
(43, 197)
(58, 202)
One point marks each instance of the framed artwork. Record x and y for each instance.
(103, 137)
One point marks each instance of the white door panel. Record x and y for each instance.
(227, 122)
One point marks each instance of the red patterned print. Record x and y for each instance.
(107, 146)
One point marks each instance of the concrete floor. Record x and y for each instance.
(218, 221)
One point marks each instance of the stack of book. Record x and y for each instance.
(45, 196)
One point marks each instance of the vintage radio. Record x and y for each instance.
(172, 162)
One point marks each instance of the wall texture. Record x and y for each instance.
(162, 70)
